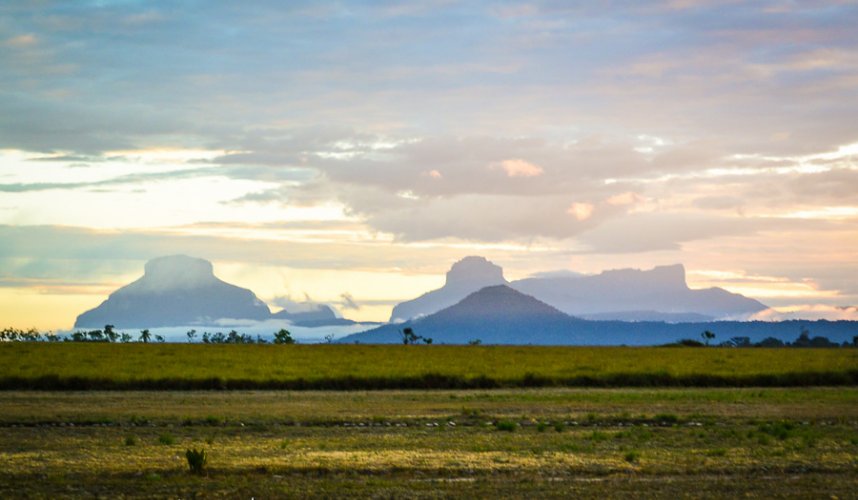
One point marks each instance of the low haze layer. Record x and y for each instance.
(347, 154)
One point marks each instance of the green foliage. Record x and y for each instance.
(541, 426)
(130, 440)
(781, 430)
(167, 439)
(197, 460)
(283, 337)
(506, 425)
(666, 418)
(632, 457)
(559, 426)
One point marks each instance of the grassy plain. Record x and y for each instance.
(559, 442)
(181, 366)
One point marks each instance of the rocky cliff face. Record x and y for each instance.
(465, 277)
(174, 290)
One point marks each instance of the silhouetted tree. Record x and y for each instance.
(707, 336)
(145, 336)
(109, 334)
(408, 335)
(283, 337)
(191, 334)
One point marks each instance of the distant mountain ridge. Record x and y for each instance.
(178, 290)
(660, 294)
(501, 315)
(494, 315)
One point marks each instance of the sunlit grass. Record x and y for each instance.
(96, 365)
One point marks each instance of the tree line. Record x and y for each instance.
(109, 335)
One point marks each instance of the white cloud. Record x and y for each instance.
(808, 312)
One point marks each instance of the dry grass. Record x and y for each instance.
(682, 442)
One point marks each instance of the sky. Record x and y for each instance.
(349, 152)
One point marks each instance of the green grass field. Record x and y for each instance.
(181, 366)
(538, 443)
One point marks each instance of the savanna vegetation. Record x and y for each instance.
(553, 443)
(96, 365)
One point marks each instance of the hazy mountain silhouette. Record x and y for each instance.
(501, 315)
(174, 290)
(464, 278)
(323, 315)
(494, 315)
(660, 294)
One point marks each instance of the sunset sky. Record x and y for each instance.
(350, 152)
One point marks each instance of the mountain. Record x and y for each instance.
(660, 294)
(322, 315)
(464, 278)
(502, 315)
(174, 290)
(494, 315)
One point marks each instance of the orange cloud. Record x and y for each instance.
(581, 211)
(519, 168)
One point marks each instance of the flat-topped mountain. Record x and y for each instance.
(174, 290)
(493, 315)
(659, 294)
(465, 277)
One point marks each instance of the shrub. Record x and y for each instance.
(197, 460)
(632, 457)
(666, 418)
(559, 427)
(506, 425)
(130, 440)
(541, 426)
(166, 439)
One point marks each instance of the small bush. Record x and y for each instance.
(717, 452)
(506, 426)
(197, 460)
(130, 440)
(598, 436)
(559, 427)
(632, 457)
(780, 430)
(541, 426)
(166, 439)
(666, 418)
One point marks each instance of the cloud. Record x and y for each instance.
(21, 41)
(581, 211)
(305, 304)
(348, 302)
(518, 168)
(808, 312)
